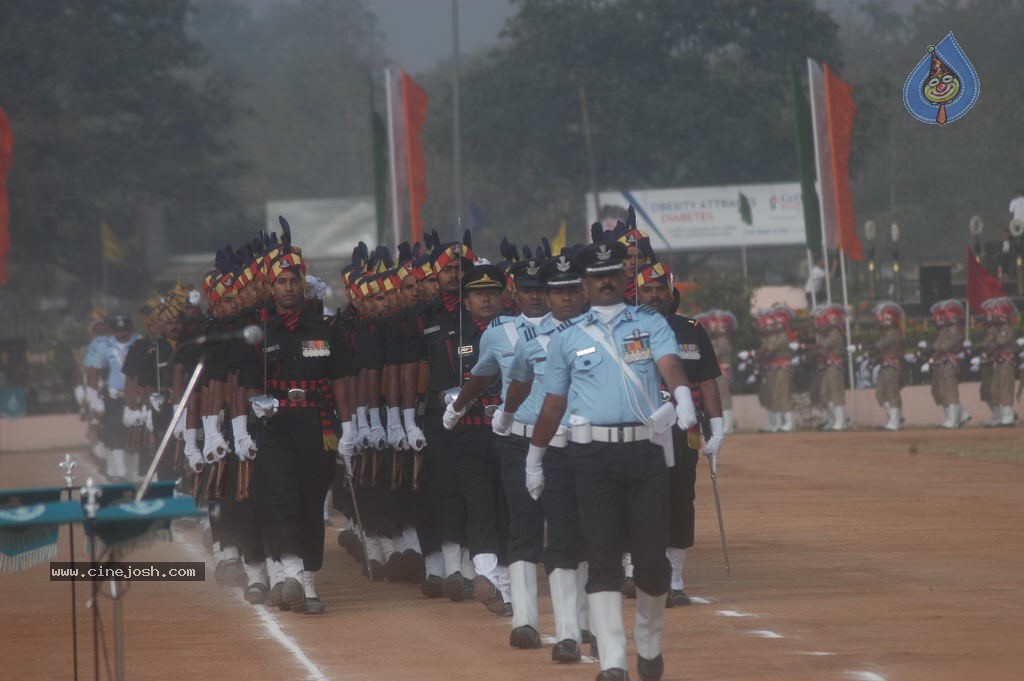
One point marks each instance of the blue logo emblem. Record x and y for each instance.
(943, 86)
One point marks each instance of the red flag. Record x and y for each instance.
(839, 102)
(6, 147)
(414, 101)
(980, 284)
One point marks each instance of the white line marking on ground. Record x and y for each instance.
(765, 633)
(698, 599)
(733, 613)
(815, 653)
(272, 627)
(865, 676)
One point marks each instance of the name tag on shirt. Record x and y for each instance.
(316, 348)
(586, 351)
(466, 350)
(689, 351)
(432, 329)
(272, 348)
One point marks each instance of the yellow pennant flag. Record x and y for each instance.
(558, 243)
(113, 251)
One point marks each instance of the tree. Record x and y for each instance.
(114, 111)
(680, 92)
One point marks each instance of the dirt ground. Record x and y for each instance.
(862, 555)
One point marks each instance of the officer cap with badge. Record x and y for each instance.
(602, 257)
(562, 271)
(483, 278)
(525, 274)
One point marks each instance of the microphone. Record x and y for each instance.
(251, 334)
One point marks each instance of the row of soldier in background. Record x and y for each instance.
(888, 362)
(456, 491)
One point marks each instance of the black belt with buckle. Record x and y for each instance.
(297, 395)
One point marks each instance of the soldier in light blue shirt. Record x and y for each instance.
(526, 522)
(612, 358)
(565, 551)
(108, 363)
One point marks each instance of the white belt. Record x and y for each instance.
(619, 433)
(559, 439)
(115, 394)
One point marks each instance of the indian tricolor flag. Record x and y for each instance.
(832, 113)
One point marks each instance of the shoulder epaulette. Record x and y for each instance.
(530, 333)
(567, 324)
(646, 309)
(496, 322)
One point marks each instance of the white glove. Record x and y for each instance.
(744, 354)
(794, 346)
(501, 421)
(686, 413)
(851, 348)
(922, 344)
(451, 417)
(179, 425)
(79, 393)
(147, 415)
(378, 438)
(245, 448)
(535, 471)
(417, 441)
(362, 425)
(263, 407)
(346, 447)
(214, 444)
(191, 449)
(96, 404)
(926, 368)
(714, 444)
(396, 433)
(133, 417)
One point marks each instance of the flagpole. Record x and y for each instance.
(810, 269)
(393, 148)
(849, 352)
(456, 121)
(818, 185)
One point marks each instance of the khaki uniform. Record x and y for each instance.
(986, 350)
(777, 357)
(833, 349)
(945, 363)
(890, 373)
(723, 350)
(1004, 348)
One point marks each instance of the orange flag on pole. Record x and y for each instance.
(414, 102)
(981, 285)
(6, 147)
(839, 103)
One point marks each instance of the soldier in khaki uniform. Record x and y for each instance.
(764, 322)
(888, 358)
(831, 354)
(1000, 356)
(776, 355)
(983, 360)
(944, 362)
(720, 325)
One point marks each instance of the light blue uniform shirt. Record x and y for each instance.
(112, 359)
(497, 347)
(528, 364)
(96, 350)
(600, 391)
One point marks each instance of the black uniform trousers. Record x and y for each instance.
(290, 481)
(682, 480)
(566, 547)
(526, 515)
(165, 469)
(441, 471)
(623, 495)
(115, 435)
(240, 516)
(479, 471)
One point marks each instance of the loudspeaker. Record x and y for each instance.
(936, 283)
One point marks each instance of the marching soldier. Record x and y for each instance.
(603, 368)
(720, 325)
(526, 529)
(564, 555)
(1000, 357)
(306, 361)
(776, 357)
(831, 355)
(654, 284)
(944, 362)
(889, 359)
(108, 368)
(478, 464)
